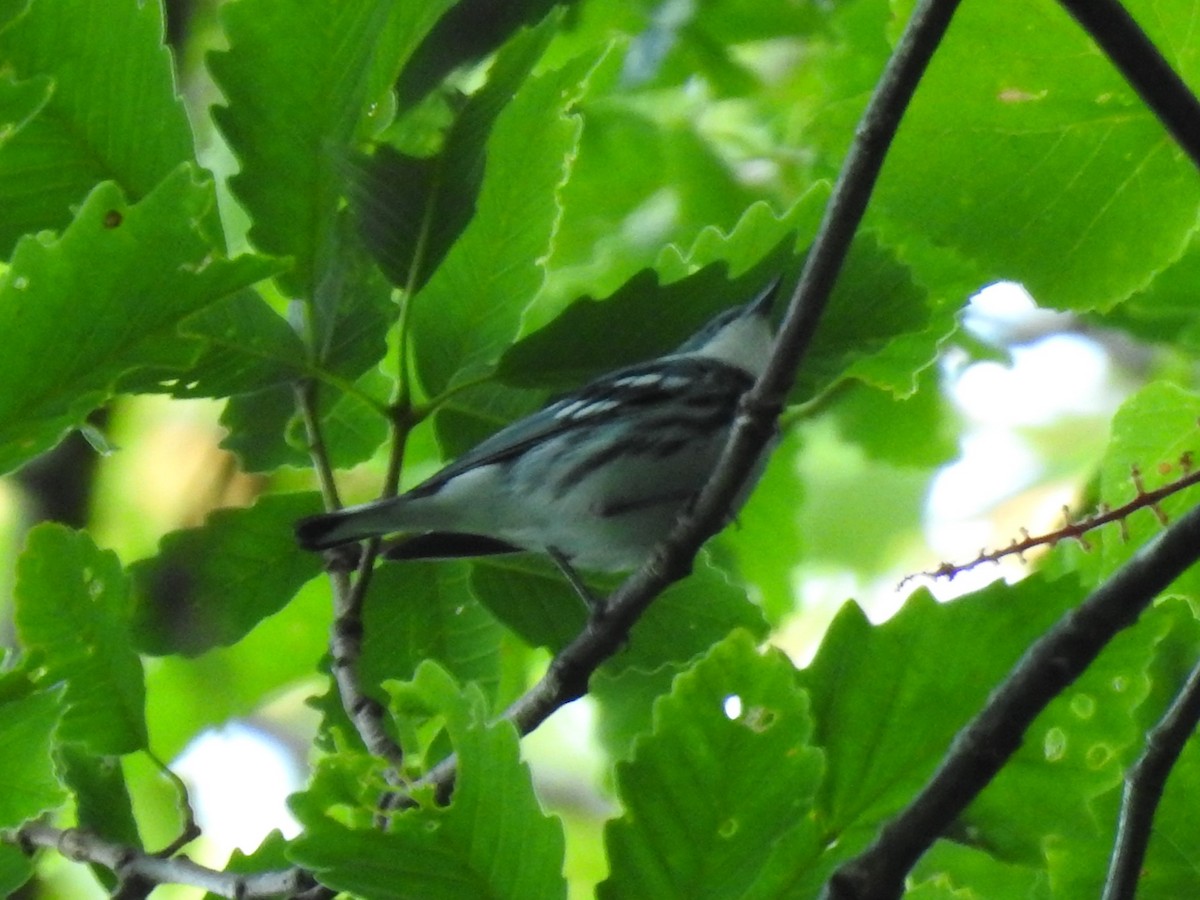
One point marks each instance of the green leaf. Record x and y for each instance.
(299, 80)
(886, 707)
(29, 784)
(247, 346)
(102, 303)
(209, 586)
(493, 840)
(271, 854)
(532, 597)
(15, 869)
(112, 78)
(1154, 431)
(642, 320)
(469, 29)
(102, 802)
(411, 210)
(698, 821)
(673, 184)
(73, 614)
(418, 611)
(20, 101)
(1043, 165)
(468, 312)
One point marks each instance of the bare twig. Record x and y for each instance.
(1141, 64)
(1144, 786)
(130, 864)
(569, 673)
(345, 642)
(982, 748)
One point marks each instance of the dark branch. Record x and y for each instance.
(982, 748)
(1144, 786)
(1138, 60)
(132, 865)
(568, 676)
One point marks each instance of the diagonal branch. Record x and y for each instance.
(1143, 66)
(569, 673)
(982, 748)
(1144, 786)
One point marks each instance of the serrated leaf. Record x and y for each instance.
(101, 304)
(1045, 147)
(411, 210)
(698, 821)
(642, 320)
(73, 612)
(875, 689)
(298, 80)
(248, 346)
(271, 854)
(112, 76)
(29, 784)
(493, 840)
(209, 586)
(468, 312)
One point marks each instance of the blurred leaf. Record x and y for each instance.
(697, 822)
(15, 869)
(111, 77)
(410, 210)
(20, 101)
(766, 540)
(209, 586)
(468, 30)
(913, 431)
(673, 185)
(29, 784)
(493, 840)
(107, 297)
(248, 672)
(298, 81)
(73, 613)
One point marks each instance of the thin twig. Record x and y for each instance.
(1144, 786)
(128, 863)
(1143, 66)
(569, 673)
(982, 748)
(345, 641)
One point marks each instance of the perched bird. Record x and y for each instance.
(596, 478)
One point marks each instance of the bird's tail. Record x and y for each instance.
(355, 523)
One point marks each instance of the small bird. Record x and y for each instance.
(594, 479)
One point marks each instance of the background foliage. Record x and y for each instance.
(451, 212)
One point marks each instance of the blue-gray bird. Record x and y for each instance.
(596, 478)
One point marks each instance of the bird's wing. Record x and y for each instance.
(645, 383)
